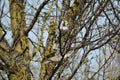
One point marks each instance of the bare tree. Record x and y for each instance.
(68, 39)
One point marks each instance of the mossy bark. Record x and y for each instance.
(20, 49)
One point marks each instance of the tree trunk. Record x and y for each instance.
(20, 48)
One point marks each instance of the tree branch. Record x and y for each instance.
(36, 15)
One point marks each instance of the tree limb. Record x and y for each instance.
(36, 15)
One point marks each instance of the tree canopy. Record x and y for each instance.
(59, 39)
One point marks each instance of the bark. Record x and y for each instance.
(20, 48)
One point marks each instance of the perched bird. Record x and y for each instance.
(64, 27)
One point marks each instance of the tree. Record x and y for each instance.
(68, 37)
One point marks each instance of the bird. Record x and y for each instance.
(64, 27)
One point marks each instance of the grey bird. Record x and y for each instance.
(64, 27)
